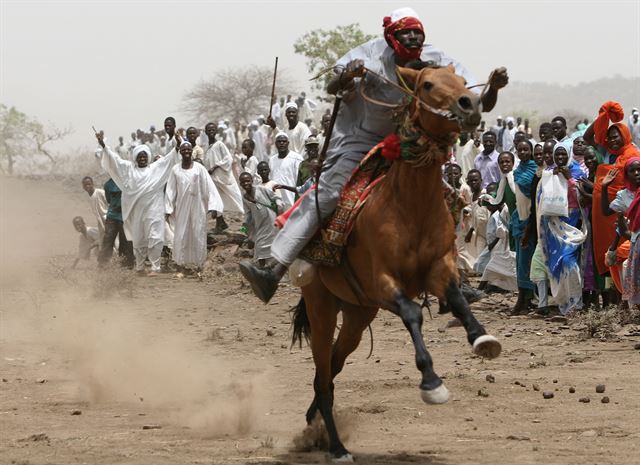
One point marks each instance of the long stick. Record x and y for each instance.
(273, 87)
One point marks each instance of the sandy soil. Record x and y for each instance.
(183, 371)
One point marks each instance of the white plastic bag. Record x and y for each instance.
(554, 199)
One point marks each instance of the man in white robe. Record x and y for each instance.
(219, 162)
(259, 138)
(142, 187)
(296, 130)
(468, 153)
(261, 206)
(170, 129)
(189, 195)
(122, 149)
(98, 203)
(284, 167)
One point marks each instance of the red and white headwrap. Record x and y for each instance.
(402, 19)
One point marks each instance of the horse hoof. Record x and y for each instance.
(487, 346)
(342, 458)
(438, 395)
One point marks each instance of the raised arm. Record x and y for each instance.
(117, 168)
(604, 199)
(499, 79)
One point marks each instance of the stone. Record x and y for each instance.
(490, 378)
(483, 392)
(572, 390)
(600, 388)
(584, 400)
(76, 412)
(548, 394)
(151, 427)
(604, 400)
(536, 387)
(589, 434)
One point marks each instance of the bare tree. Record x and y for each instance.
(237, 93)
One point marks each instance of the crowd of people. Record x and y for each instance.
(552, 215)
(554, 219)
(163, 185)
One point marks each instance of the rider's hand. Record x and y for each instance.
(499, 78)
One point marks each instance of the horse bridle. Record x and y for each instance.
(413, 94)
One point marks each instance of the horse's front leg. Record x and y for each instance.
(432, 390)
(483, 344)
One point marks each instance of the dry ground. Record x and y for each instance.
(208, 371)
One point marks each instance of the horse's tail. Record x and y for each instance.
(300, 322)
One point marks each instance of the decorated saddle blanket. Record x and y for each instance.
(327, 246)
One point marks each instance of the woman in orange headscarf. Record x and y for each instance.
(615, 139)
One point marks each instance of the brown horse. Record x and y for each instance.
(402, 245)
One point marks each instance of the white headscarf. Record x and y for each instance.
(140, 149)
(403, 13)
(281, 134)
(290, 105)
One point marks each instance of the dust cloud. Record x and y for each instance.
(111, 352)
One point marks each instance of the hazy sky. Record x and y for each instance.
(122, 65)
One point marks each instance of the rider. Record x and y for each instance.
(359, 126)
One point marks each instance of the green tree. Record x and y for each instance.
(22, 136)
(324, 47)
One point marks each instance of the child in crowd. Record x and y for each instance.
(88, 240)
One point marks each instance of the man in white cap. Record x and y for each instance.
(142, 185)
(359, 126)
(284, 167)
(634, 126)
(297, 131)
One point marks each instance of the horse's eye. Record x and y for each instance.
(427, 86)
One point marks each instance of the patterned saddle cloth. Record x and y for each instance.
(327, 246)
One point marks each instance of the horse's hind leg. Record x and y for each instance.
(483, 344)
(354, 321)
(322, 312)
(432, 389)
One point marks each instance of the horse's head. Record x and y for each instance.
(443, 105)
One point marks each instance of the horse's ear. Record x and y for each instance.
(451, 68)
(409, 75)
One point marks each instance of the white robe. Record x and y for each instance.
(142, 196)
(251, 167)
(467, 155)
(260, 140)
(284, 171)
(99, 206)
(123, 152)
(190, 194)
(218, 158)
(501, 268)
(260, 221)
(297, 136)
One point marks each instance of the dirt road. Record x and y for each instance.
(182, 371)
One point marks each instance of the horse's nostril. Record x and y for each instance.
(465, 103)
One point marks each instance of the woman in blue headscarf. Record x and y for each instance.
(562, 236)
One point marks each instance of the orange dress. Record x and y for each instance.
(604, 227)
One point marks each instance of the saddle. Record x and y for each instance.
(327, 246)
